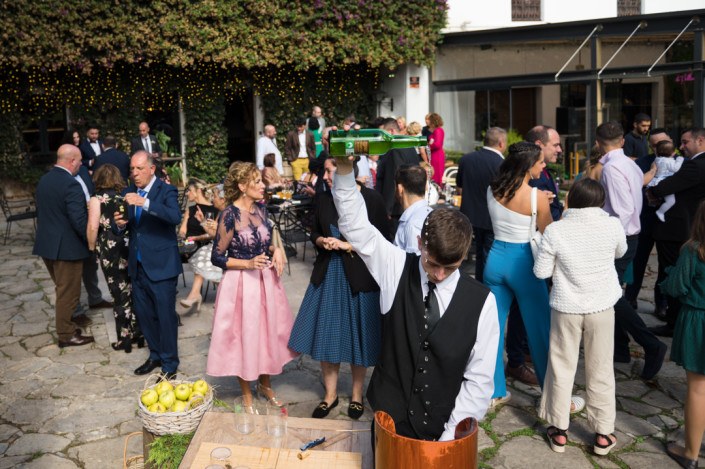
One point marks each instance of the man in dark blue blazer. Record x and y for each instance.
(61, 239)
(91, 147)
(112, 155)
(550, 142)
(154, 263)
(476, 171)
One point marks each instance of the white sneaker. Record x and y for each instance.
(498, 401)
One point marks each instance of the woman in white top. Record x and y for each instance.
(508, 272)
(578, 251)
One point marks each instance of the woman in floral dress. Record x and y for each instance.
(112, 253)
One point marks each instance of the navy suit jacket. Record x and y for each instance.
(61, 217)
(155, 233)
(137, 145)
(476, 171)
(117, 158)
(688, 185)
(546, 183)
(87, 152)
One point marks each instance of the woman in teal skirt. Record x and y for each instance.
(686, 281)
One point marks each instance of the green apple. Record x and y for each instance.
(195, 400)
(163, 386)
(179, 406)
(149, 397)
(167, 398)
(157, 407)
(182, 392)
(200, 387)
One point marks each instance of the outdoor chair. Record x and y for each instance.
(394, 451)
(17, 210)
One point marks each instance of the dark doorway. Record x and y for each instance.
(240, 121)
(627, 100)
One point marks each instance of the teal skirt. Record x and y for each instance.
(688, 348)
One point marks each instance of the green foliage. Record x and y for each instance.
(176, 176)
(167, 451)
(163, 141)
(512, 137)
(206, 142)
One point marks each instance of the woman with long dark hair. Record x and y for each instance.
(509, 269)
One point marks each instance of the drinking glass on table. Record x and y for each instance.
(244, 416)
(276, 420)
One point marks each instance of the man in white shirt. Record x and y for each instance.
(267, 144)
(441, 329)
(411, 188)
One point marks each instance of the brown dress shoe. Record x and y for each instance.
(524, 374)
(82, 320)
(101, 305)
(76, 340)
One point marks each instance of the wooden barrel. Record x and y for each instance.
(393, 451)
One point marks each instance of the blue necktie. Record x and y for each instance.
(138, 209)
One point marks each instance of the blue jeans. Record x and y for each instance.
(509, 274)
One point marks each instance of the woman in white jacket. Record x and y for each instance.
(578, 251)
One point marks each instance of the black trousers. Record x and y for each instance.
(668, 252)
(641, 259)
(627, 321)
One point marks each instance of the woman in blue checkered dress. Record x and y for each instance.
(339, 320)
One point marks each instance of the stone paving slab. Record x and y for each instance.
(73, 408)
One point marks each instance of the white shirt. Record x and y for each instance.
(410, 224)
(302, 145)
(96, 147)
(385, 262)
(578, 251)
(266, 145)
(147, 189)
(363, 170)
(623, 182)
(147, 144)
(83, 186)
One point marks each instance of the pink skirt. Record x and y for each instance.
(251, 326)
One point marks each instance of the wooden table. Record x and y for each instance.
(219, 427)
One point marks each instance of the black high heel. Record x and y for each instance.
(139, 341)
(125, 345)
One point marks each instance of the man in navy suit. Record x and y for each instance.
(91, 147)
(154, 263)
(61, 239)
(550, 143)
(476, 171)
(111, 155)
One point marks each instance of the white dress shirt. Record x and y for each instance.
(410, 224)
(96, 147)
(302, 145)
(147, 144)
(147, 188)
(83, 186)
(266, 145)
(385, 263)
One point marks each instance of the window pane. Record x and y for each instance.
(526, 10)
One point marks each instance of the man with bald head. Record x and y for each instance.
(145, 141)
(317, 113)
(61, 239)
(267, 144)
(154, 263)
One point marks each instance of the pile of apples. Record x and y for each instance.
(165, 397)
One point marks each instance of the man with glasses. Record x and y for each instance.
(441, 330)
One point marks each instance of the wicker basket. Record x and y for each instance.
(133, 462)
(169, 423)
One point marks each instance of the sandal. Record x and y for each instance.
(553, 432)
(604, 450)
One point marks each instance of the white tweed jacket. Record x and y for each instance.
(578, 251)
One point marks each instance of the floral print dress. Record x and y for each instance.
(112, 253)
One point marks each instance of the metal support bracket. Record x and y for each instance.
(596, 29)
(642, 24)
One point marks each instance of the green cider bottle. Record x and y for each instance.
(369, 142)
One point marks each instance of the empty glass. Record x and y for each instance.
(276, 420)
(244, 415)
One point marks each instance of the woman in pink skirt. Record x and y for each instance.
(252, 320)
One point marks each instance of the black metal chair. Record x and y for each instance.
(17, 210)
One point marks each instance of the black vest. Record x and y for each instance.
(420, 370)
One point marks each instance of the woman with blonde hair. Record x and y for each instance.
(200, 195)
(112, 253)
(401, 121)
(435, 143)
(252, 319)
(414, 129)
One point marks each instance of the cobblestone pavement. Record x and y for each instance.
(74, 407)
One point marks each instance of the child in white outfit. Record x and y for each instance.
(666, 166)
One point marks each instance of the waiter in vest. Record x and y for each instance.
(441, 329)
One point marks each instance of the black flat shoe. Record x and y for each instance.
(324, 409)
(139, 341)
(355, 410)
(653, 360)
(125, 345)
(681, 460)
(148, 367)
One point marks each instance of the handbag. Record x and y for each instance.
(535, 235)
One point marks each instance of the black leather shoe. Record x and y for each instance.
(82, 320)
(148, 367)
(662, 331)
(653, 360)
(76, 340)
(324, 409)
(661, 313)
(355, 410)
(681, 460)
(103, 304)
